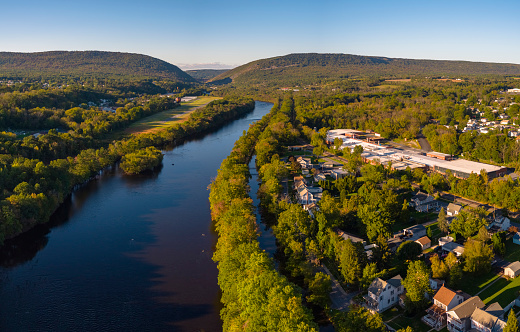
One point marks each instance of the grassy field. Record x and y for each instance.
(474, 284)
(169, 117)
(512, 251)
(503, 291)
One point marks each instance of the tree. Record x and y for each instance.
(370, 272)
(451, 260)
(478, 257)
(320, 287)
(408, 250)
(512, 323)
(442, 221)
(455, 276)
(429, 232)
(469, 221)
(499, 245)
(358, 319)
(417, 284)
(350, 259)
(483, 234)
(439, 268)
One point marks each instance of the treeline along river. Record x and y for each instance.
(125, 253)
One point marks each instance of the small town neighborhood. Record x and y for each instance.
(476, 307)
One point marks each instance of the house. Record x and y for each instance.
(425, 242)
(309, 195)
(453, 247)
(304, 162)
(436, 284)
(458, 318)
(383, 294)
(453, 209)
(424, 202)
(512, 270)
(500, 223)
(444, 300)
(516, 238)
(347, 236)
(445, 239)
(338, 173)
(415, 232)
(319, 177)
(488, 320)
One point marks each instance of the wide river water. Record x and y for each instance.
(126, 253)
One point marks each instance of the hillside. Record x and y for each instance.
(309, 68)
(204, 75)
(87, 64)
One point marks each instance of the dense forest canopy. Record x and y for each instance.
(87, 63)
(313, 68)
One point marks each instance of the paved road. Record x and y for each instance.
(341, 300)
(425, 145)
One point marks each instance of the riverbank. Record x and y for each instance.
(71, 172)
(130, 253)
(168, 118)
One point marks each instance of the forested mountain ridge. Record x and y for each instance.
(205, 75)
(309, 68)
(88, 63)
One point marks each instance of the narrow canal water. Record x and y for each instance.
(125, 253)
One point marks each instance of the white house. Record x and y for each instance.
(384, 294)
(458, 318)
(453, 209)
(512, 270)
(454, 247)
(488, 320)
(305, 162)
(444, 300)
(500, 223)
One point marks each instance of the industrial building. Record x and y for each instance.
(402, 159)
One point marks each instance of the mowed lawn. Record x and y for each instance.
(169, 117)
(503, 291)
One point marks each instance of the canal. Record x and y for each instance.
(125, 253)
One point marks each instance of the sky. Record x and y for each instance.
(194, 34)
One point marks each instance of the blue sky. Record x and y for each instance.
(200, 32)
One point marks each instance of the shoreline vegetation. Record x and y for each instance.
(254, 295)
(33, 201)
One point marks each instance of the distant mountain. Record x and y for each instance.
(308, 68)
(205, 75)
(88, 63)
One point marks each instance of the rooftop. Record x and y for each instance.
(466, 308)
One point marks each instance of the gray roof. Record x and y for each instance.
(378, 284)
(466, 308)
(485, 318)
(495, 309)
(515, 266)
(395, 281)
(454, 207)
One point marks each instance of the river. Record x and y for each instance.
(125, 253)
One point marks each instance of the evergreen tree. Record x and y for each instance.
(443, 222)
(512, 323)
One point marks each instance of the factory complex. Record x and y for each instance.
(401, 159)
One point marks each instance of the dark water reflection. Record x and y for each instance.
(125, 253)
